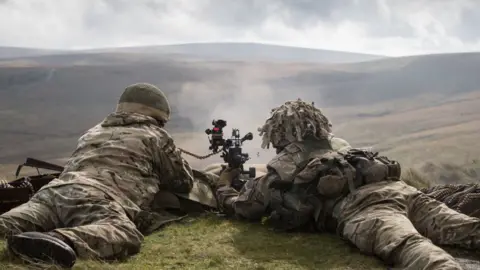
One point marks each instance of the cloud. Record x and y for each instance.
(371, 26)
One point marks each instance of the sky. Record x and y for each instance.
(383, 27)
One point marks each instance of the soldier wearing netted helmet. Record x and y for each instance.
(299, 132)
(93, 209)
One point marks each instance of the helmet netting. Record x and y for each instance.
(294, 121)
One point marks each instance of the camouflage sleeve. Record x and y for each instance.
(174, 171)
(251, 202)
(226, 196)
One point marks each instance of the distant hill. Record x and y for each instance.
(15, 52)
(388, 79)
(251, 52)
(214, 52)
(396, 105)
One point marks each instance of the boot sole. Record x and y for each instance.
(40, 250)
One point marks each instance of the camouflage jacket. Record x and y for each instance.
(259, 199)
(129, 157)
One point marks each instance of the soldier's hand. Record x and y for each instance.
(228, 175)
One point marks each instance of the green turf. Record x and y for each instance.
(213, 243)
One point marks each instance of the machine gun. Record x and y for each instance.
(231, 149)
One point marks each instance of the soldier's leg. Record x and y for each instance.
(443, 225)
(25, 224)
(35, 215)
(391, 236)
(91, 225)
(96, 225)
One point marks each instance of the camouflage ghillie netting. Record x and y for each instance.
(294, 121)
(463, 198)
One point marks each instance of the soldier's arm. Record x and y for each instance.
(226, 196)
(249, 203)
(173, 170)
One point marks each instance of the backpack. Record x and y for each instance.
(321, 182)
(371, 168)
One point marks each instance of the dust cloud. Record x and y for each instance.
(242, 99)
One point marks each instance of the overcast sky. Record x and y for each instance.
(387, 27)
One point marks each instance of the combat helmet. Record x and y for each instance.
(146, 99)
(293, 122)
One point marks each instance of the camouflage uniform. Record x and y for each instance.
(252, 202)
(109, 181)
(463, 198)
(403, 226)
(292, 150)
(389, 219)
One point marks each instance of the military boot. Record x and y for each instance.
(46, 248)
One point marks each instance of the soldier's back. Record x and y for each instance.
(118, 157)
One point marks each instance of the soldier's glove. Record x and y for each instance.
(228, 175)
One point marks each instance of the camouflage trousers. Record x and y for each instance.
(92, 221)
(403, 226)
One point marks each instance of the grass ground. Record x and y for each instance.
(214, 243)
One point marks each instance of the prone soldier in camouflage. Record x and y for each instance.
(360, 199)
(293, 148)
(91, 210)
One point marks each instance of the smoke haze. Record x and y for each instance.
(241, 99)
